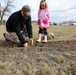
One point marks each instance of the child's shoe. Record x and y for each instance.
(39, 38)
(45, 39)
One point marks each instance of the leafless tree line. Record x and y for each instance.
(4, 10)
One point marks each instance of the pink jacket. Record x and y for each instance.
(43, 18)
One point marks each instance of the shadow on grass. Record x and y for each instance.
(4, 44)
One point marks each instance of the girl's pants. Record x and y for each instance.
(41, 31)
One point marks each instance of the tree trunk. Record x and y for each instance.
(2, 18)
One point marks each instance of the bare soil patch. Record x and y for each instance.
(52, 58)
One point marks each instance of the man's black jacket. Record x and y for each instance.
(16, 22)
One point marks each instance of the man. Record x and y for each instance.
(17, 22)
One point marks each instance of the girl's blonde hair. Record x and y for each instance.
(43, 0)
(46, 6)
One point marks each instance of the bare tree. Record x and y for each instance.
(0, 9)
(5, 9)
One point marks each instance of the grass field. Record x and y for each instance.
(56, 57)
(61, 32)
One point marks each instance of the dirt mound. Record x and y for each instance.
(52, 58)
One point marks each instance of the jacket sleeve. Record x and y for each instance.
(20, 36)
(46, 16)
(29, 27)
(49, 15)
(39, 14)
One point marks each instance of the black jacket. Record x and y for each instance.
(16, 22)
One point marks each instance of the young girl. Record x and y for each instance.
(43, 20)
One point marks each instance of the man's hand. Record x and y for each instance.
(25, 45)
(31, 41)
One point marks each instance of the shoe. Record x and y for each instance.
(45, 39)
(39, 38)
(5, 36)
(38, 41)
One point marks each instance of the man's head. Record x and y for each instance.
(25, 11)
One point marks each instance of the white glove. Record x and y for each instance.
(31, 41)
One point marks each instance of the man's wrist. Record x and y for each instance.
(31, 38)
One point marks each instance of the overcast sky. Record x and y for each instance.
(60, 10)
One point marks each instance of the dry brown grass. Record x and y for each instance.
(52, 58)
(61, 32)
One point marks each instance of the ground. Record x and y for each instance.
(57, 57)
(52, 58)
